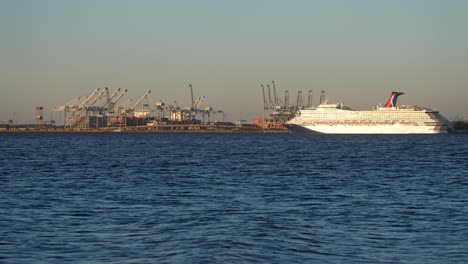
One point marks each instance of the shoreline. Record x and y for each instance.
(166, 129)
(162, 129)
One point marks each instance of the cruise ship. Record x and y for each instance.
(388, 119)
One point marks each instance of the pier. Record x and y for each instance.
(199, 128)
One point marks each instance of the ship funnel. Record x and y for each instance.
(393, 99)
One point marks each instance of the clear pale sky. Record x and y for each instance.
(357, 51)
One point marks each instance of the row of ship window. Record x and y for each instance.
(379, 117)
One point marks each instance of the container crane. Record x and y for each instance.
(309, 99)
(83, 104)
(139, 101)
(191, 96)
(270, 102)
(265, 103)
(194, 107)
(322, 97)
(274, 93)
(112, 104)
(115, 94)
(72, 104)
(120, 96)
(109, 98)
(299, 102)
(199, 102)
(97, 97)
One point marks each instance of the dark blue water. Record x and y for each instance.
(208, 198)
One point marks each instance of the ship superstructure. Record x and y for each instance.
(389, 119)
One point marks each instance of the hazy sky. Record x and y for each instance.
(357, 51)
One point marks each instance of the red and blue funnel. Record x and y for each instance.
(393, 99)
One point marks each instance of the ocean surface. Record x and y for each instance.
(233, 198)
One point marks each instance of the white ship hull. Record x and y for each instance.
(366, 129)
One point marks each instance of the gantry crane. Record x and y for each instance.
(96, 98)
(322, 97)
(309, 99)
(299, 102)
(132, 107)
(83, 104)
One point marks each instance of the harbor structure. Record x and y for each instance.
(278, 111)
(102, 108)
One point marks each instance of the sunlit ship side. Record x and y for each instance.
(389, 119)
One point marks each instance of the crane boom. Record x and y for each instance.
(299, 102)
(88, 98)
(97, 97)
(114, 94)
(322, 97)
(191, 94)
(265, 103)
(309, 99)
(119, 97)
(108, 101)
(111, 106)
(270, 102)
(274, 93)
(199, 102)
(140, 100)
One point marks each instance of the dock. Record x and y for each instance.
(180, 128)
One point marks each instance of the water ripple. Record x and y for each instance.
(147, 198)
